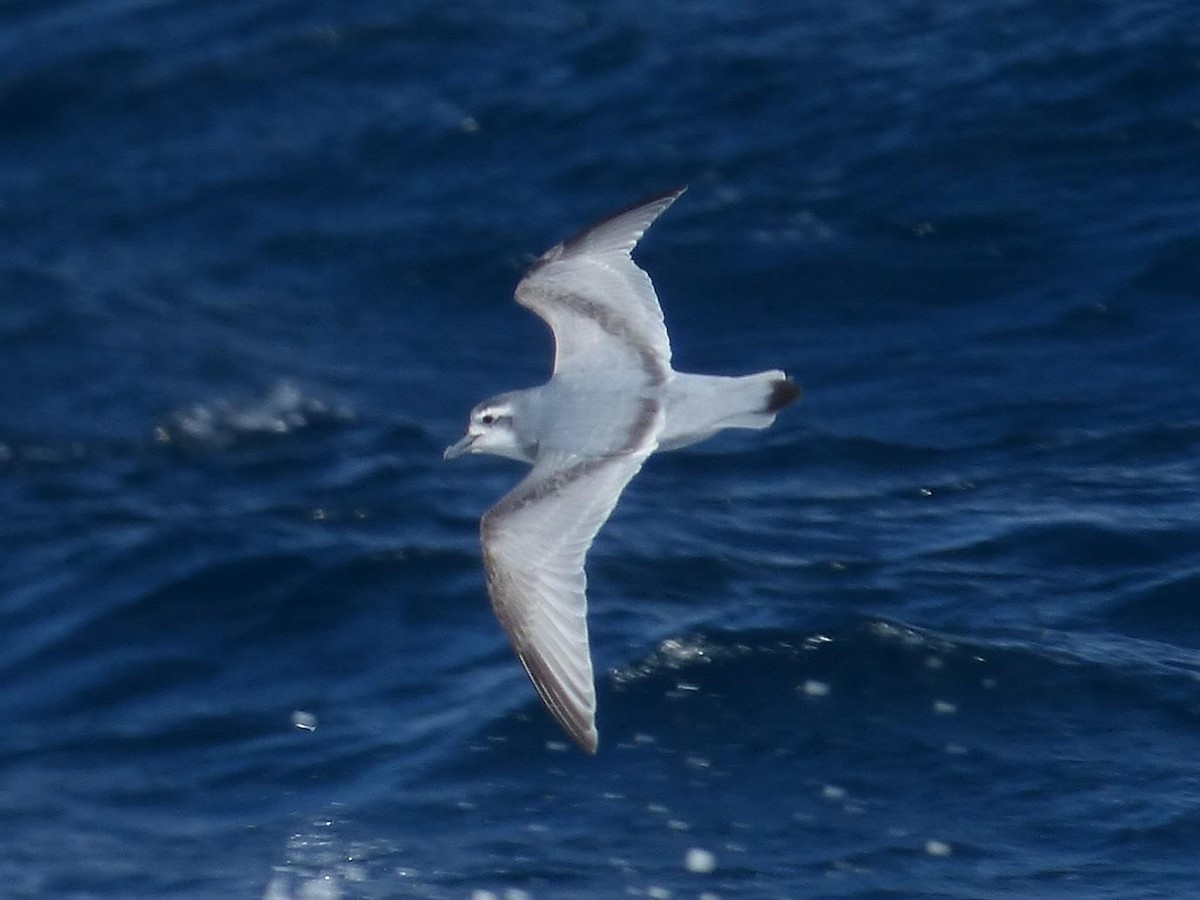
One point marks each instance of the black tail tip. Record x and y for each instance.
(783, 392)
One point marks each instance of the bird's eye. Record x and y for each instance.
(487, 418)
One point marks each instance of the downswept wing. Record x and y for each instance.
(600, 305)
(535, 541)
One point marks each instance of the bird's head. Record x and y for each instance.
(490, 430)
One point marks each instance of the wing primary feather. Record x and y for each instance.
(620, 230)
(578, 724)
(575, 714)
(649, 209)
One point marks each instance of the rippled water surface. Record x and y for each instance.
(936, 634)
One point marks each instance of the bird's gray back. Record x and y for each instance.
(591, 416)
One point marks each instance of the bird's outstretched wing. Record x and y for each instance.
(601, 307)
(535, 541)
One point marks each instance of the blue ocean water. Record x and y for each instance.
(936, 634)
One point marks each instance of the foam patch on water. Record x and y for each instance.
(222, 423)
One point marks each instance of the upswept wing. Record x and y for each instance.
(601, 307)
(535, 541)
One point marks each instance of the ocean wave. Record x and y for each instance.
(891, 668)
(1165, 608)
(224, 423)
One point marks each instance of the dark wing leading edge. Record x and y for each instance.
(535, 541)
(601, 307)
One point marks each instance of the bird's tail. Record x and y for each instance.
(699, 406)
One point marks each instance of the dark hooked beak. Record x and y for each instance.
(458, 449)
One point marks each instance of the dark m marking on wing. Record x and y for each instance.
(531, 492)
(608, 320)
